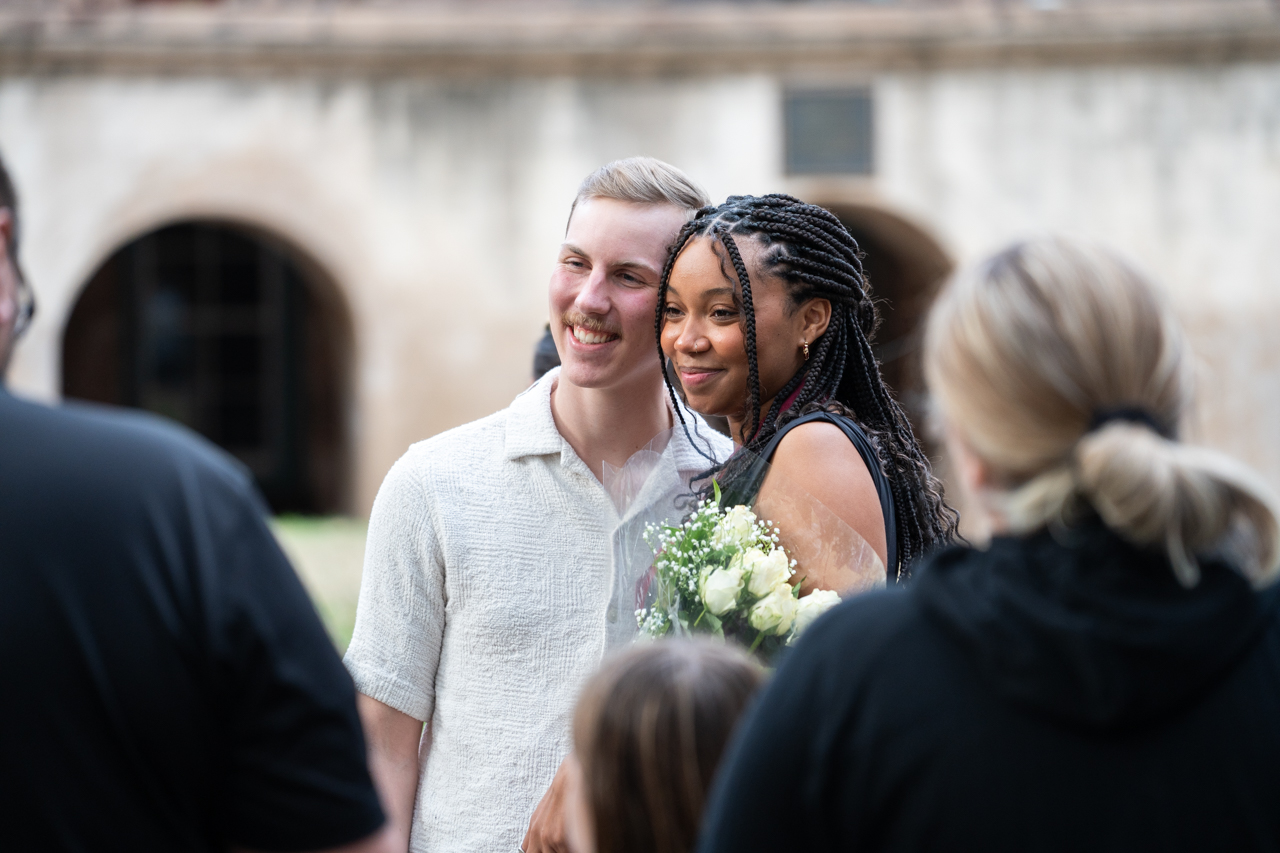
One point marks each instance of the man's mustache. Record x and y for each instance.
(591, 324)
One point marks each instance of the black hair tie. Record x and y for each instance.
(1129, 414)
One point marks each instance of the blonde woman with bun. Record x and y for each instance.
(1105, 674)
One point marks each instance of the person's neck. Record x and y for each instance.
(609, 424)
(736, 424)
(735, 429)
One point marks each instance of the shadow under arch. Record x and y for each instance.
(905, 268)
(238, 333)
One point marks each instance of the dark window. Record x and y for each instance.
(214, 327)
(829, 132)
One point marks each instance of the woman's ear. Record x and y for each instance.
(815, 316)
(975, 475)
(980, 487)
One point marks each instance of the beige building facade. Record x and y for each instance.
(413, 163)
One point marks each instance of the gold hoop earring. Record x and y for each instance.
(805, 344)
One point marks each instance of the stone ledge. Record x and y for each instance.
(542, 38)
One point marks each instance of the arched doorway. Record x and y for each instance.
(233, 333)
(905, 268)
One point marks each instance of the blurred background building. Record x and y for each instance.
(320, 231)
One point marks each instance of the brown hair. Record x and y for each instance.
(642, 180)
(649, 732)
(1027, 353)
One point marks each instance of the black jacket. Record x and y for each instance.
(1055, 693)
(167, 685)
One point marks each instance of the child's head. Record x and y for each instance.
(648, 734)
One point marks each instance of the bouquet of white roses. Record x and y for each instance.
(723, 572)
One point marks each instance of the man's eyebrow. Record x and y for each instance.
(569, 248)
(637, 265)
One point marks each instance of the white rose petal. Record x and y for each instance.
(774, 613)
(746, 561)
(720, 590)
(813, 605)
(767, 571)
(735, 529)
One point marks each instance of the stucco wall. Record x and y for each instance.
(436, 204)
(1178, 167)
(437, 207)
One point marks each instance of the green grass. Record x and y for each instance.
(328, 554)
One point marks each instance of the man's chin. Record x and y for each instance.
(588, 375)
(601, 376)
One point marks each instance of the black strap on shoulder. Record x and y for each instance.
(870, 458)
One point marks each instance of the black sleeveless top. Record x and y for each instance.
(749, 485)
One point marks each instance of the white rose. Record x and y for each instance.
(720, 589)
(746, 561)
(735, 529)
(767, 571)
(813, 605)
(773, 613)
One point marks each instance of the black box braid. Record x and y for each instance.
(811, 250)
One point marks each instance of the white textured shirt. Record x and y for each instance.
(488, 596)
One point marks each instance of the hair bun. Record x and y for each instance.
(1129, 414)
(1015, 350)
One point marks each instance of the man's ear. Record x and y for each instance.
(815, 316)
(8, 281)
(6, 232)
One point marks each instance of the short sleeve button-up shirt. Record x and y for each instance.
(485, 602)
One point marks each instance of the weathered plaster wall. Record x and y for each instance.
(1178, 167)
(436, 204)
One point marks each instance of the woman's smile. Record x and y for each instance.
(694, 377)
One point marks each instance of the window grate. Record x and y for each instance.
(829, 132)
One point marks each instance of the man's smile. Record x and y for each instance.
(587, 336)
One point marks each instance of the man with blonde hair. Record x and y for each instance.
(487, 582)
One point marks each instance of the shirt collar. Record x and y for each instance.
(531, 429)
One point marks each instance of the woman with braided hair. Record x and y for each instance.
(765, 314)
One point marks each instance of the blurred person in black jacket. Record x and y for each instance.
(1106, 675)
(168, 683)
(545, 354)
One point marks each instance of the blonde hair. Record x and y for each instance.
(642, 180)
(1065, 371)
